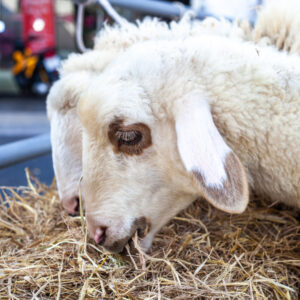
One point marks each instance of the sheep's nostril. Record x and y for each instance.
(76, 208)
(140, 233)
(99, 235)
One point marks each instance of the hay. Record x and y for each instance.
(201, 254)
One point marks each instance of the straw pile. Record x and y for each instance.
(201, 254)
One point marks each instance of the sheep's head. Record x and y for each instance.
(62, 100)
(144, 161)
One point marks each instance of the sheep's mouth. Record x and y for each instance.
(141, 226)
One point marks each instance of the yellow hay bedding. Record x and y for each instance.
(201, 254)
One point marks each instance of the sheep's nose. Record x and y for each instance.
(72, 206)
(99, 236)
(110, 237)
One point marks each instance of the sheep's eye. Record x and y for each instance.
(130, 138)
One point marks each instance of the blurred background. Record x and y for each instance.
(36, 35)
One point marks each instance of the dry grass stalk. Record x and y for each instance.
(202, 253)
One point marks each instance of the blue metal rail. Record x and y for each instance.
(160, 8)
(20, 151)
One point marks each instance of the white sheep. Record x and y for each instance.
(168, 122)
(76, 71)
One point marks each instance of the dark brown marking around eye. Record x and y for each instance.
(131, 139)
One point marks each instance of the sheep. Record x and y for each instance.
(199, 118)
(76, 71)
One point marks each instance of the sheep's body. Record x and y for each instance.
(78, 69)
(254, 95)
(255, 99)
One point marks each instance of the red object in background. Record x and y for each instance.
(38, 25)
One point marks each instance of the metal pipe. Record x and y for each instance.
(20, 151)
(112, 12)
(161, 8)
(79, 29)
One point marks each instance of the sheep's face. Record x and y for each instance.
(142, 166)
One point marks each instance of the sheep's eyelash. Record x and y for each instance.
(127, 135)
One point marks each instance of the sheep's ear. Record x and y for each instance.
(217, 171)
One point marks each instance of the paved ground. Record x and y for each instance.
(23, 117)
